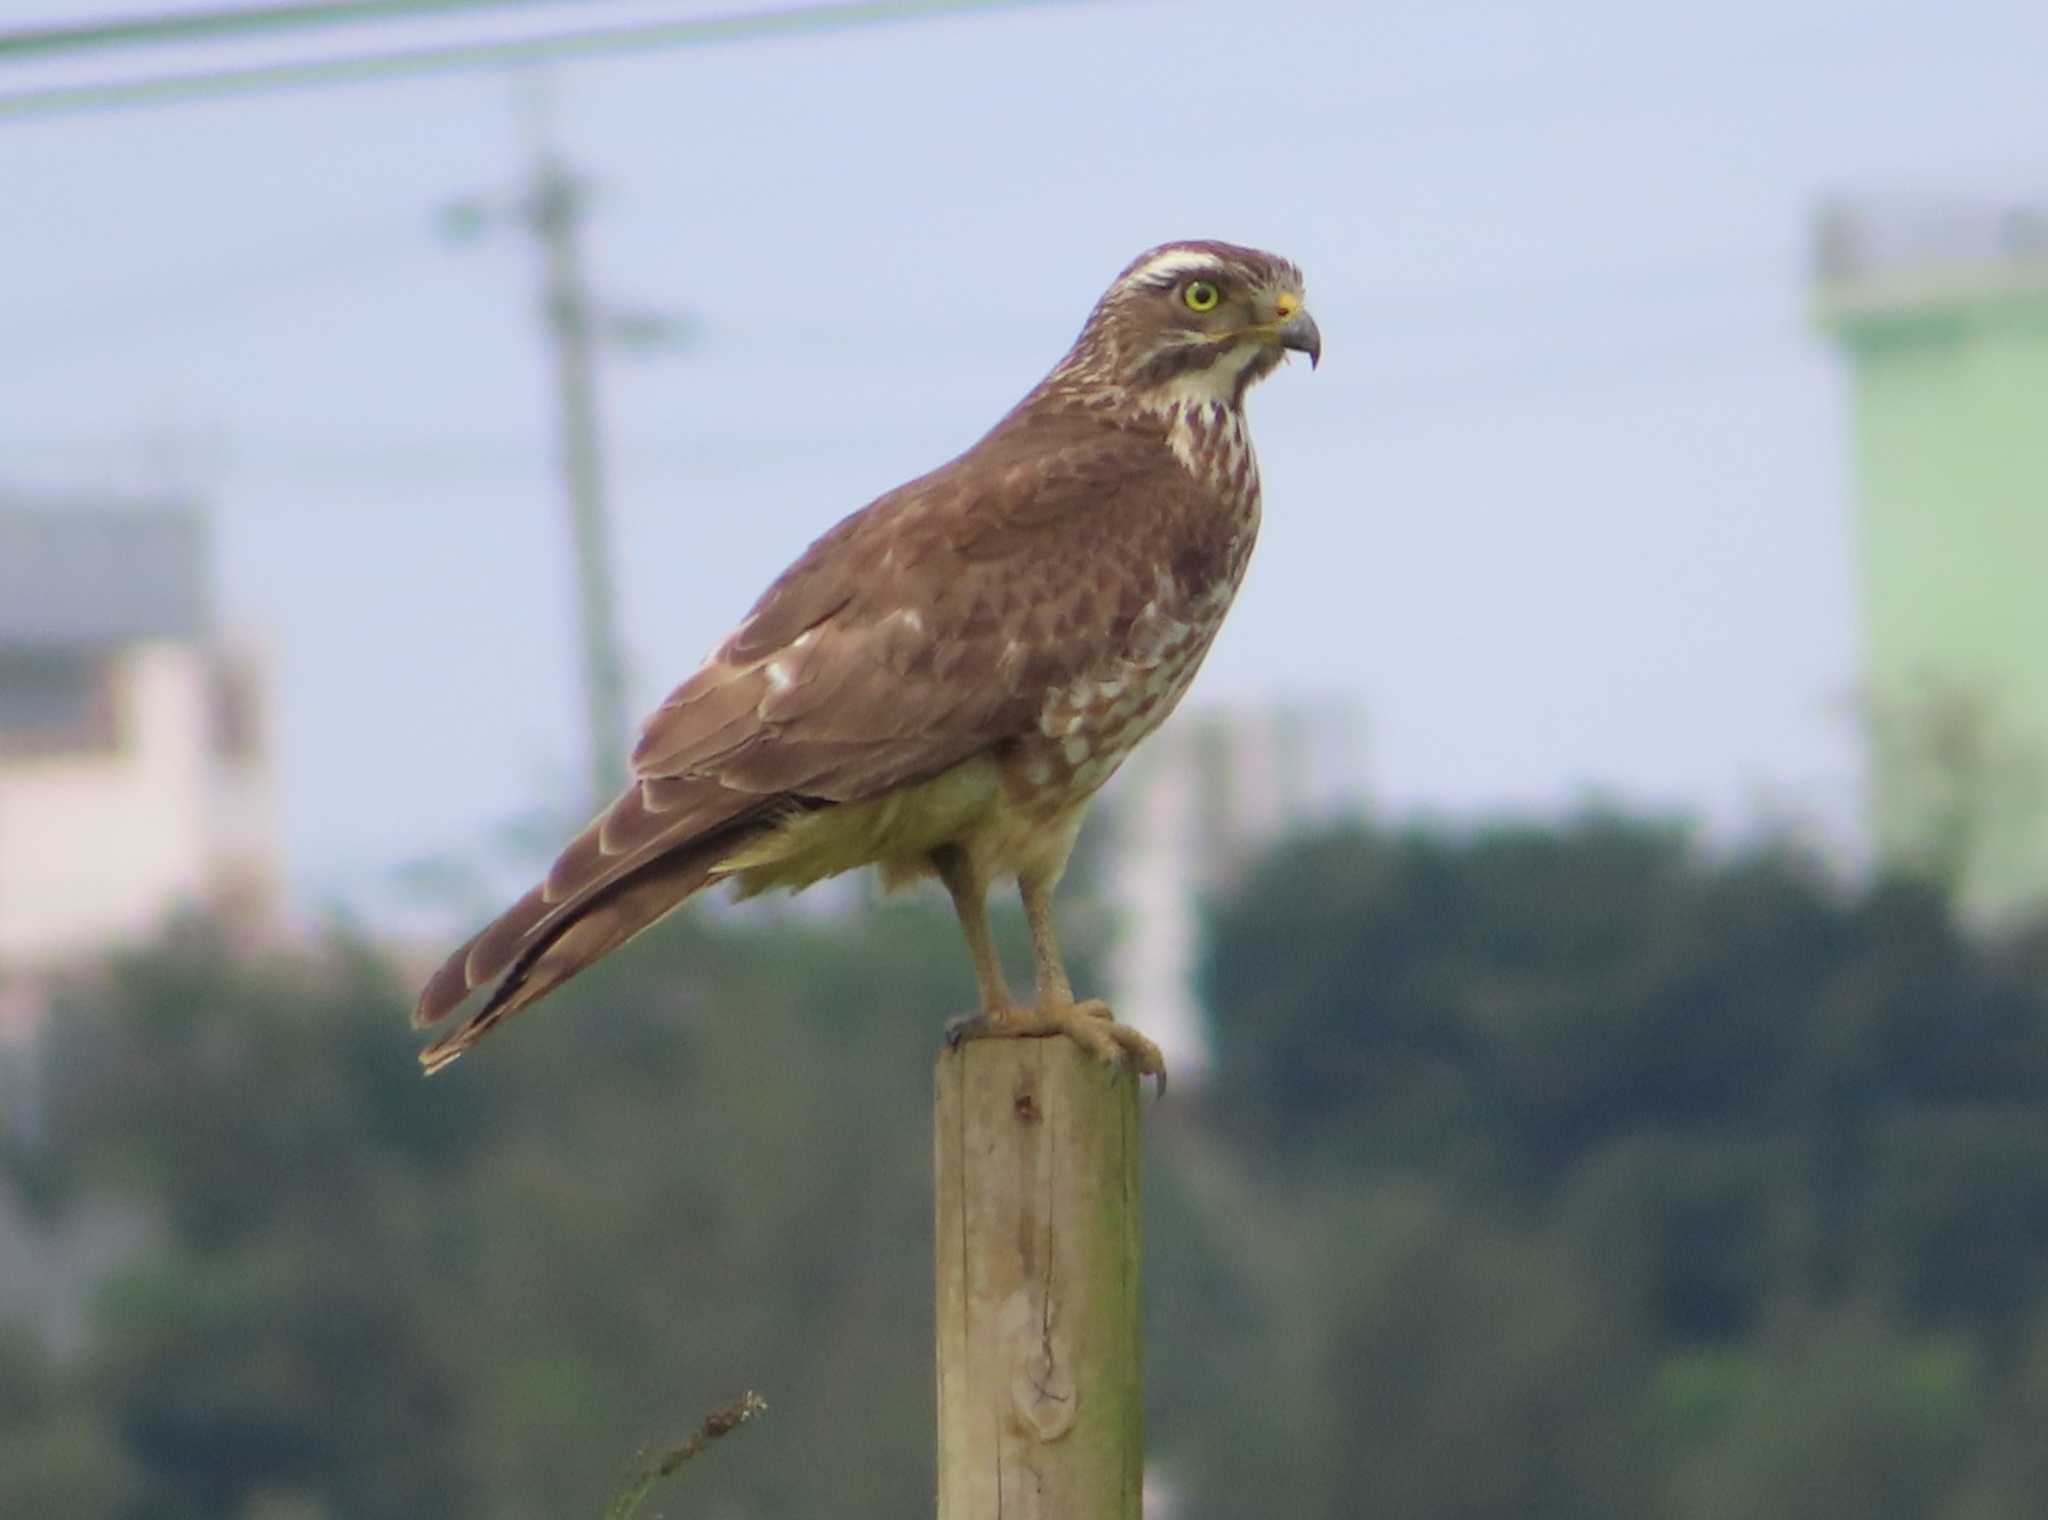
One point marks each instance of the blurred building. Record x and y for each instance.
(1195, 805)
(1942, 310)
(136, 747)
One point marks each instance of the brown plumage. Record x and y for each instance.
(943, 680)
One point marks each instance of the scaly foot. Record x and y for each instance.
(1090, 1025)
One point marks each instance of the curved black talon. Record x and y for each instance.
(967, 1026)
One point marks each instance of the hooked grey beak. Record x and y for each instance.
(1299, 332)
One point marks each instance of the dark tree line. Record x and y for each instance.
(1678, 1185)
(1547, 1171)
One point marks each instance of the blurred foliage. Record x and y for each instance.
(1623, 1180)
(379, 1296)
(1543, 1172)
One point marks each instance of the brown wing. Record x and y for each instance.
(922, 630)
(931, 625)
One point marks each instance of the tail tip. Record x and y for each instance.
(439, 1056)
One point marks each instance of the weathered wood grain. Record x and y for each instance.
(1041, 1413)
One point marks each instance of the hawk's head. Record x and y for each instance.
(1194, 322)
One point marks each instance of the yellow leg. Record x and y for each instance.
(1048, 966)
(1091, 1023)
(970, 904)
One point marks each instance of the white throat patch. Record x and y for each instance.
(1213, 384)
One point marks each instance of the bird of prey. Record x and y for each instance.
(942, 681)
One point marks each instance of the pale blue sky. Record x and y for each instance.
(1566, 508)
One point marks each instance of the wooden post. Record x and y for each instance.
(1041, 1411)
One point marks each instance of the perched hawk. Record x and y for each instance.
(943, 680)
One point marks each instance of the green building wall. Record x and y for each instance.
(1949, 375)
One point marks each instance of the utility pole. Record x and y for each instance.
(552, 209)
(550, 206)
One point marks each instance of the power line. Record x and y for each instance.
(1475, 391)
(228, 23)
(594, 42)
(1408, 311)
(123, 313)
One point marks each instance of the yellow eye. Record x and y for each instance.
(1200, 296)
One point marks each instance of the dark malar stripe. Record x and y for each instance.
(1253, 373)
(1182, 359)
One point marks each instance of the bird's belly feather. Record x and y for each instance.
(1015, 808)
(903, 825)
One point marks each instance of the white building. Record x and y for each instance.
(1195, 804)
(136, 745)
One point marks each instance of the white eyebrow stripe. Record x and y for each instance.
(1175, 261)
